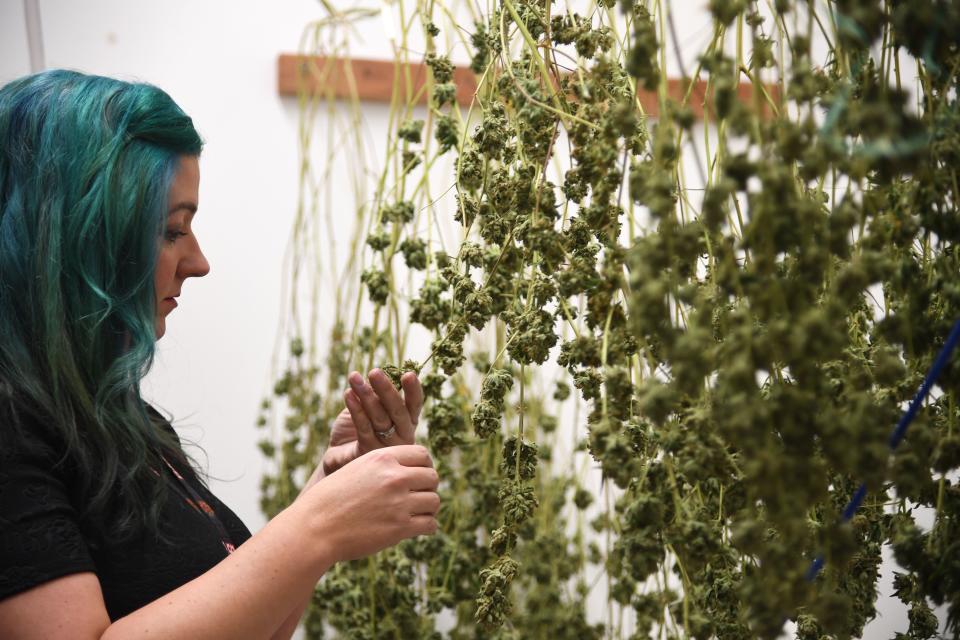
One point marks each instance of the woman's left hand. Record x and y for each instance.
(373, 407)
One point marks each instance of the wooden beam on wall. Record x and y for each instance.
(373, 80)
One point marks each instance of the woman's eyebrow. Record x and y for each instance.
(186, 204)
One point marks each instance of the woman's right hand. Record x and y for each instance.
(375, 501)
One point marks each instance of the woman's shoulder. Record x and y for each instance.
(25, 435)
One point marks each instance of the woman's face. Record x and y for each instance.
(180, 256)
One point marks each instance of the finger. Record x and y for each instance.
(412, 396)
(411, 455)
(343, 430)
(371, 403)
(392, 402)
(424, 479)
(423, 502)
(423, 525)
(365, 436)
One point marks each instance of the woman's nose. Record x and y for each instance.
(194, 264)
(202, 267)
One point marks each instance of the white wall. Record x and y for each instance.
(217, 58)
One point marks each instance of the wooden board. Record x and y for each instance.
(374, 80)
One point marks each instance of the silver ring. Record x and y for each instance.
(383, 435)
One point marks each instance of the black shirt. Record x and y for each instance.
(40, 538)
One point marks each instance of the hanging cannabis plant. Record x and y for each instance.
(728, 356)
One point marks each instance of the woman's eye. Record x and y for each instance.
(173, 234)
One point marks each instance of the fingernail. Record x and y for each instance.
(356, 380)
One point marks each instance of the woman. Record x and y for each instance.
(106, 531)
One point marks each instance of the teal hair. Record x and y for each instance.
(86, 164)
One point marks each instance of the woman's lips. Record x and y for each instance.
(172, 301)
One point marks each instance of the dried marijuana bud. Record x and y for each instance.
(735, 344)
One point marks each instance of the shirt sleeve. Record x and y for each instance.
(40, 537)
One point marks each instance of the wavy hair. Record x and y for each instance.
(86, 163)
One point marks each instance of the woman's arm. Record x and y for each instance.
(285, 632)
(246, 595)
(372, 503)
(352, 435)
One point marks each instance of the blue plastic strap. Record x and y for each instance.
(901, 429)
